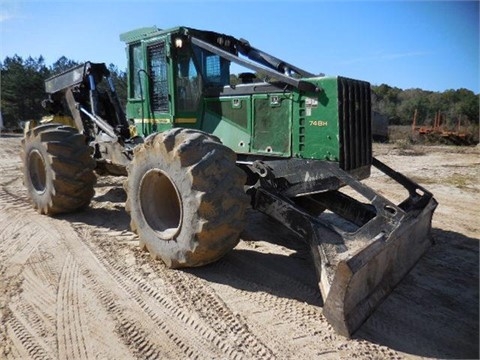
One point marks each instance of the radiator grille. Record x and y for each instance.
(354, 107)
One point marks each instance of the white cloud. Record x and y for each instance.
(5, 16)
(10, 9)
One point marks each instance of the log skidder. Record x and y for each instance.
(191, 136)
(58, 169)
(185, 197)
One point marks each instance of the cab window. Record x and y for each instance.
(157, 65)
(188, 82)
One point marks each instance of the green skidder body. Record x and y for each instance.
(173, 82)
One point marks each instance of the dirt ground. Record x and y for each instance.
(78, 287)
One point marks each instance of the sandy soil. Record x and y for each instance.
(77, 286)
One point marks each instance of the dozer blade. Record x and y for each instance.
(363, 277)
(358, 269)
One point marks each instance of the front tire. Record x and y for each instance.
(57, 169)
(185, 197)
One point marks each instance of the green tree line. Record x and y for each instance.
(399, 106)
(22, 91)
(22, 86)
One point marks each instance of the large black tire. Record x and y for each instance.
(185, 197)
(57, 169)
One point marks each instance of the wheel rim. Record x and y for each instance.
(37, 171)
(161, 203)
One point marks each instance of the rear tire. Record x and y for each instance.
(57, 169)
(185, 197)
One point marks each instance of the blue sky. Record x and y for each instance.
(407, 44)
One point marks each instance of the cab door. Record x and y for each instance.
(188, 88)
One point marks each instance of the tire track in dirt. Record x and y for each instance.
(19, 243)
(206, 302)
(25, 344)
(9, 197)
(163, 320)
(37, 291)
(306, 321)
(134, 333)
(10, 173)
(136, 328)
(10, 145)
(25, 236)
(280, 313)
(39, 280)
(19, 238)
(153, 303)
(38, 323)
(41, 275)
(70, 335)
(67, 300)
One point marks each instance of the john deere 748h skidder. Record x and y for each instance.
(197, 147)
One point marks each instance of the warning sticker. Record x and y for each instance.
(309, 104)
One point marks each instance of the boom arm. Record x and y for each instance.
(257, 60)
